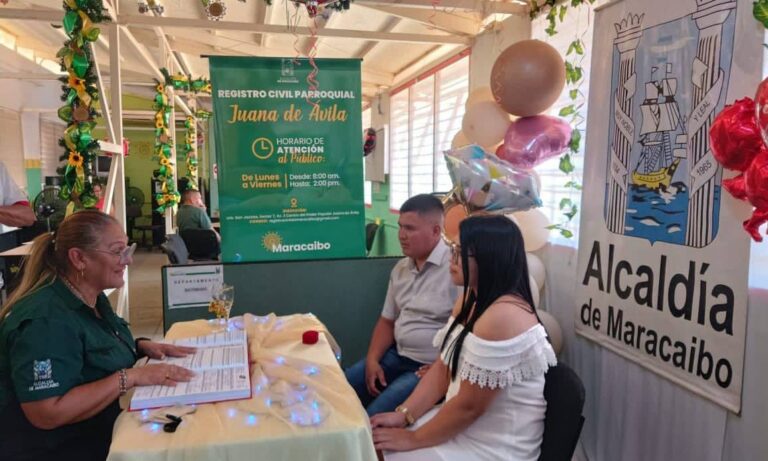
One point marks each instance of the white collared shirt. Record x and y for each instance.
(420, 302)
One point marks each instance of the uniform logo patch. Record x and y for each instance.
(42, 369)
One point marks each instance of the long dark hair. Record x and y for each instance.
(496, 243)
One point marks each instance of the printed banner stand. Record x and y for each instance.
(662, 258)
(290, 158)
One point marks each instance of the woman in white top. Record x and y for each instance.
(494, 353)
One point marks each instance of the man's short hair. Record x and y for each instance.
(423, 204)
(186, 196)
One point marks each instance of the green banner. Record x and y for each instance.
(289, 158)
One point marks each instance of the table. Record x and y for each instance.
(256, 428)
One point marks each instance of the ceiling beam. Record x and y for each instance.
(371, 44)
(51, 15)
(306, 31)
(260, 18)
(452, 23)
(486, 6)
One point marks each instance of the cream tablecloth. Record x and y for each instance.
(265, 427)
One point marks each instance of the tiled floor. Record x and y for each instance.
(146, 294)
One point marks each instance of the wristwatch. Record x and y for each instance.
(409, 419)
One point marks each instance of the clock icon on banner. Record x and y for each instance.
(262, 148)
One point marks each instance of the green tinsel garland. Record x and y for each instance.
(79, 94)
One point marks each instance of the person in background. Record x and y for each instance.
(14, 205)
(192, 214)
(65, 356)
(98, 191)
(418, 302)
(494, 353)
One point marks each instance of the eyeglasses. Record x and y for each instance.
(456, 253)
(125, 254)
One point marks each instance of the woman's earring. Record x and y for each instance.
(82, 274)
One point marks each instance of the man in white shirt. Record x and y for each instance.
(14, 205)
(419, 300)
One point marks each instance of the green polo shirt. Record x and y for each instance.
(51, 342)
(192, 217)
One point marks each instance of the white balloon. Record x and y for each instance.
(553, 330)
(534, 291)
(536, 269)
(536, 178)
(479, 94)
(459, 140)
(485, 123)
(533, 225)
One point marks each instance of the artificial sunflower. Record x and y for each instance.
(75, 159)
(165, 162)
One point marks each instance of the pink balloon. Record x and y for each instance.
(531, 140)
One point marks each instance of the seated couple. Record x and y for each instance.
(486, 358)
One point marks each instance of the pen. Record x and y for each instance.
(175, 419)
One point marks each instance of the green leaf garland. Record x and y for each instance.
(79, 93)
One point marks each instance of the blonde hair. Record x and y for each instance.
(49, 256)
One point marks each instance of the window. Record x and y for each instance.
(366, 184)
(424, 117)
(578, 23)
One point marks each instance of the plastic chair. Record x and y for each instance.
(175, 249)
(564, 393)
(202, 244)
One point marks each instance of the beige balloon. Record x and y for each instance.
(533, 225)
(485, 123)
(536, 269)
(553, 330)
(527, 78)
(459, 140)
(483, 93)
(535, 292)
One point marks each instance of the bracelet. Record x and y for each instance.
(122, 376)
(409, 419)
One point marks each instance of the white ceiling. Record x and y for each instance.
(395, 39)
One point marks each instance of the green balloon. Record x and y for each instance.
(65, 113)
(80, 64)
(70, 22)
(92, 35)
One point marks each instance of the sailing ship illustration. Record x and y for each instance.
(659, 157)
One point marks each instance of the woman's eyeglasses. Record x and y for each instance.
(456, 252)
(124, 254)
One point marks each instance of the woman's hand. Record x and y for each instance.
(159, 351)
(422, 370)
(158, 373)
(394, 439)
(391, 419)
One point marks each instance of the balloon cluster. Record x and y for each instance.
(739, 141)
(505, 119)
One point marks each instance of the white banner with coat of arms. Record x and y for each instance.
(663, 259)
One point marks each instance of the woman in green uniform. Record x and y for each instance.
(65, 357)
